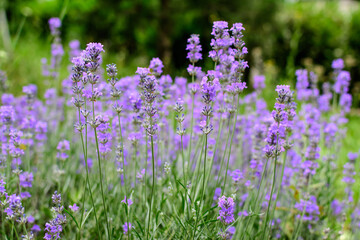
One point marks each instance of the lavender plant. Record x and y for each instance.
(197, 158)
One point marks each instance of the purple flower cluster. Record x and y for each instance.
(194, 49)
(312, 210)
(226, 212)
(63, 148)
(54, 227)
(283, 116)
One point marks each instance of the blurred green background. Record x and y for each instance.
(281, 35)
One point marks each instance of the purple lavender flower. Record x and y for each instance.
(283, 116)
(26, 179)
(54, 24)
(226, 212)
(126, 227)
(342, 82)
(2, 187)
(7, 115)
(220, 28)
(15, 210)
(127, 201)
(259, 82)
(312, 211)
(338, 64)
(7, 99)
(237, 175)
(54, 227)
(156, 66)
(336, 207)
(194, 49)
(74, 207)
(345, 102)
(63, 147)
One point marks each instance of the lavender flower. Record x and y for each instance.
(226, 212)
(54, 227)
(127, 201)
(312, 210)
(63, 147)
(156, 66)
(26, 179)
(55, 24)
(74, 207)
(194, 49)
(126, 227)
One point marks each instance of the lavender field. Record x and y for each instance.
(206, 155)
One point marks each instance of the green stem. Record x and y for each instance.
(122, 156)
(231, 141)
(255, 205)
(101, 183)
(279, 188)
(14, 228)
(100, 171)
(191, 129)
(272, 186)
(303, 212)
(224, 153)
(84, 147)
(153, 183)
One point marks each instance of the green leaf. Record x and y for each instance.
(86, 217)
(77, 225)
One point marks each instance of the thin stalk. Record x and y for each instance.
(224, 153)
(101, 183)
(183, 159)
(14, 228)
(279, 188)
(153, 183)
(122, 149)
(257, 195)
(100, 171)
(205, 155)
(191, 128)
(272, 186)
(204, 178)
(122, 156)
(197, 166)
(303, 212)
(84, 147)
(215, 149)
(185, 180)
(232, 137)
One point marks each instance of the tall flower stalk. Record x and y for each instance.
(80, 103)
(283, 115)
(148, 85)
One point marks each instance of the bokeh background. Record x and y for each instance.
(281, 35)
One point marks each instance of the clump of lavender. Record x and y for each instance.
(133, 130)
(54, 227)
